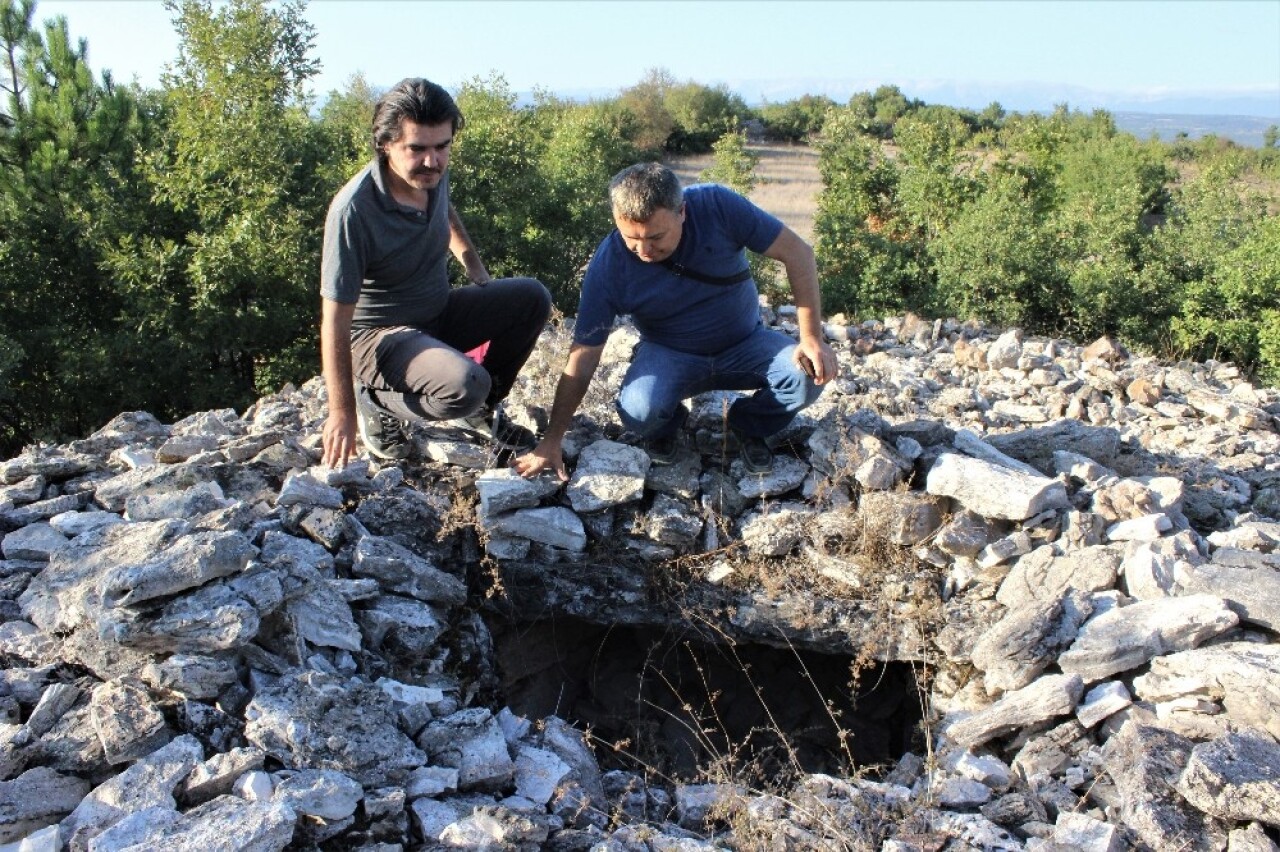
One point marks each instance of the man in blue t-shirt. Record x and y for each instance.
(677, 265)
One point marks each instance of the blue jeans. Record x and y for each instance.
(660, 379)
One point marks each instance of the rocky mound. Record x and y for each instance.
(209, 642)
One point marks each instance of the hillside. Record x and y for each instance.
(999, 592)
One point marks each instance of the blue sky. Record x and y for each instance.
(1178, 55)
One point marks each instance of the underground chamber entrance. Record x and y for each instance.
(689, 709)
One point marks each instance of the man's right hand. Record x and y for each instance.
(546, 456)
(340, 439)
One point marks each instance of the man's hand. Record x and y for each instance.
(340, 439)
(546, 456)
(817, 359)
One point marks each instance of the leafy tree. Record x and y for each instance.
(796, 120)
(734, 164)
(876, 113)
(934, 178)
(586, 145)
(345, 123)
(237, 265)
(67, 189)
(531, 182)
(702, 115)
(996, 261)
(868, 260)
(647, 103)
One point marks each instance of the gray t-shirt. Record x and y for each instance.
(389, 259)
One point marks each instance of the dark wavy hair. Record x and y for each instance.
(417, 99)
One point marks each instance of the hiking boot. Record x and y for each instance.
(755, 452)
(662, 450)
(383, 435)
(493, 425)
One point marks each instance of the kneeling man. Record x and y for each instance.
(676, 264)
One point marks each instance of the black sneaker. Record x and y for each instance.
(493, 425)
(755, 452)
(662, 450)
(383, 435)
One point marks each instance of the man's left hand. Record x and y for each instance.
(817, 359)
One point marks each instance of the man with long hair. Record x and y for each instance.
(394, 335)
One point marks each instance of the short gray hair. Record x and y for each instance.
(637, 192)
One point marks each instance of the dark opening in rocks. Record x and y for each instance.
(689, 708)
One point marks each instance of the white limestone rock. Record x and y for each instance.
(553, 525)
(1236, 777)
(1130, 636)
(608, 474)
(992, 490)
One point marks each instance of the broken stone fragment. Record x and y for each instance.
(56, 700)
(504, 490)
(322, 616)
(608, 474)
(129, 724)
(553, 525)
(1236, 777)
(113, 493)
(302, 488)
(994, 491)
(1043, 574)
(227, 822)
(320, 793)
(538, 773)
(193, 675)
(695, 802)
(148, 783)
(1248, 581)
(494, 828)
(188, 562)
(1044, 699)
(1083, 833)
(217, 775)
(35, 542)
(470, 741)
(786, 475)
(776, 529)
(398, 569)
(1145, 528)
(1102, 701)
(903, 517)
(309, 719)
(37, 798)
(406, 625)
(72, 524)
(1129, 636)
(212, 618)
(1145, 763)
(671, 521)
(1028, 640)
(196, 500)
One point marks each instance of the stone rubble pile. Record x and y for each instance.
(208, 641)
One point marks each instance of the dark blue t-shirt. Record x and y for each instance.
(677, 311)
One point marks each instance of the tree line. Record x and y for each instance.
(160, 248)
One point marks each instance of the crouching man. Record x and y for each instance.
(393, 334)
(676, 263)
